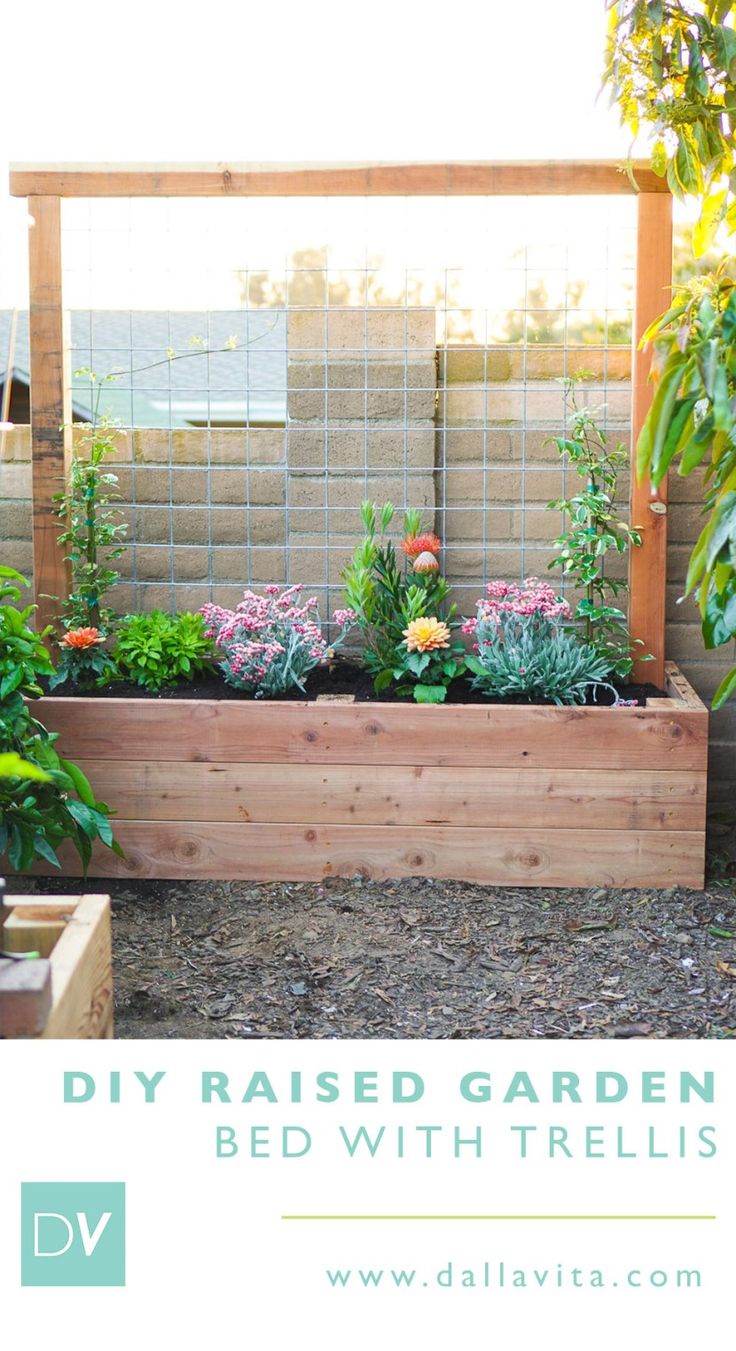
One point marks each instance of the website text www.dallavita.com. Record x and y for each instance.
(501, 1275)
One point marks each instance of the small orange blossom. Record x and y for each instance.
(414, 545)
(81, 638)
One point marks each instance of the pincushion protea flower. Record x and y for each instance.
(426, 635)
(414, 545)
(426, 562)
(81, 638)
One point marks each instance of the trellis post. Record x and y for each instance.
(50, 410)
(648, 564)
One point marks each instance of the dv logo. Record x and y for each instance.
(72, 1233)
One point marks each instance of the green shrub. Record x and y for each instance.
(37, 812)
(532, 657)
(156, 650)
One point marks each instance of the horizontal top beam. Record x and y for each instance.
(459, 178)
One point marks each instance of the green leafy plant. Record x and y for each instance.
(692, 421)
(156, 650)
(671, 68)
(95, 533)
(385, 597)
(427, 661)
(594, 529)
(532, 656)
(44, 800)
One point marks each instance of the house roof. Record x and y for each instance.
(219, 387)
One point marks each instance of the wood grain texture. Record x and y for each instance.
(497, 736)
(50, 412)
(508, 178)
(25, 997)
(28, 933)
(648, 564)
(81, 974)
(401, 795)
(192, 850)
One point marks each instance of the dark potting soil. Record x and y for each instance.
(340, 677)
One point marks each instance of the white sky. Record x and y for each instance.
(320, 80)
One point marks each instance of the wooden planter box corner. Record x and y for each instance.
(68, 991)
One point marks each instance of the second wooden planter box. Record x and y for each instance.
(497, 794)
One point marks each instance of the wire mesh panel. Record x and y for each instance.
(281, 359)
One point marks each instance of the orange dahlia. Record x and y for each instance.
(426, 635)
(414, 545)
(81, 638)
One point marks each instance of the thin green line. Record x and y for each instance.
(498, 1217)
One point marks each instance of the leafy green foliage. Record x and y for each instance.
(671, 67)
(692, 422)
(37, 810)
(384, 596)
(155, 650)
(594, 530)
(525, 656)
(95, 530)
(427, 675)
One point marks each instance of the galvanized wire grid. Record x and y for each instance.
(400, 347)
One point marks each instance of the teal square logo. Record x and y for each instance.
(72, 1233)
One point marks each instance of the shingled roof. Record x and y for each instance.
(227, 388)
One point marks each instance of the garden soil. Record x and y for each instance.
(411, 958)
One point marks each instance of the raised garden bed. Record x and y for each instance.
(67, 991)
(497, 794)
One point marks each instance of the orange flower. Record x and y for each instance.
(426, 562)
(426, 635)
(414, 545)
(81, 638)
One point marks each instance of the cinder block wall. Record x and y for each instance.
(374, 411)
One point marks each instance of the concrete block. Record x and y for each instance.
(15, 520)
(264, 527)
(152, 445)
(190, 525)
(306, 405)
(230, 485)
(306, 447)
(267, 566)
(264, 445)
(307, 332)
(189, 485)
(266, 487)
(15, 480)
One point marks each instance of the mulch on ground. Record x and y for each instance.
(411, 958)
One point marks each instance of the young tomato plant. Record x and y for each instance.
(594, 528)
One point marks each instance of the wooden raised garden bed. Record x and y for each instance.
(67, 992)
(498, 794)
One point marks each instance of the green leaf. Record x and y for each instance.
(44, 850)
(82, 786)
(430, 694)
(654, 431)
(85, 818)
(711, 214)
(723, 527)
(13, 766)
(726, 689)
(382, 681)
(659, 159)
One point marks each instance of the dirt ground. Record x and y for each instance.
(356, 958)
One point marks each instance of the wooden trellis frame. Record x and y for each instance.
(46, 184)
